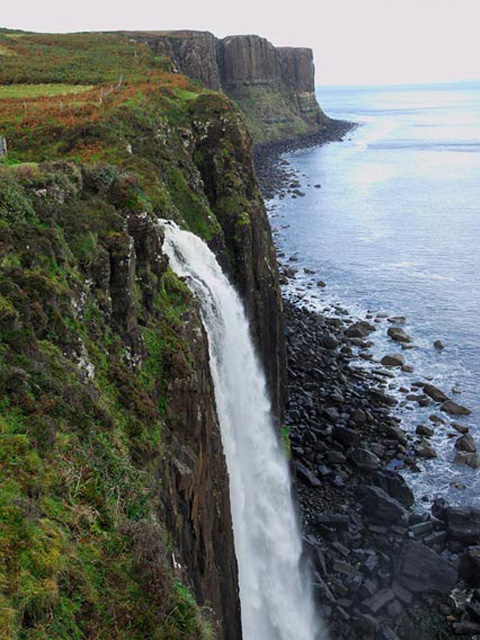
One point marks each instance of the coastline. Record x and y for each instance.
(362, 531)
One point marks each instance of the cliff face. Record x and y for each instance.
(223, 155)
(193, 53)
(106, 400)
(273, 86)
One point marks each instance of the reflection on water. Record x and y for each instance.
(396, 228)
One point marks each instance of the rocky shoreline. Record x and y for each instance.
(383, 568)
(272, 171)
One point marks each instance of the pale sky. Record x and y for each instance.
(354, 41)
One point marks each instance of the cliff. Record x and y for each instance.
(274, 87)
(114, 493)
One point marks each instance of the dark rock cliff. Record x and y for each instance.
(274, 87)
(223, 154)
(193, 53)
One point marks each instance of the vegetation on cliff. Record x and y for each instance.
(97, 335)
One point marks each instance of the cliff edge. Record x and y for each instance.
(274, 86)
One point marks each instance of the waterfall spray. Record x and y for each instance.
(276, 601)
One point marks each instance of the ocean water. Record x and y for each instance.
(395, 229)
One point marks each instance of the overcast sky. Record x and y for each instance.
(354, 41)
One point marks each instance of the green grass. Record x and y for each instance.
(24, 91)
(82, 552)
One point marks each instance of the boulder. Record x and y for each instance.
(466, 443)
(469, 459)
(360, 329)
(379, 506)
(463, 524)
(438, 344)
(329, 342)
(399, 335)
(454, 409)
(394, 485)
(347, 437)
(423, 430)
(393, 360)
(425, 450)
(379, 600)
(421, 570)
(470, 567)
(364, 459)
(307, 476)
(435, 394)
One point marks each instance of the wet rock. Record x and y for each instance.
(469, 459)
(379, 506)
(397, 319)
(399, 335)
(454, 409)
(423, 430)
(435, 394)
(393, 360)
(421, 570)
(461, 428)
(321, 284)
(438, 344)
(466, 443)
(425, 450)
(361, 329)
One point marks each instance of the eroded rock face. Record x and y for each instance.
(194, 53)
(274, 86)
(248, 254)
(249, 60)
(196, 500)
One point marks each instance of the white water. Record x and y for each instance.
(275, 599)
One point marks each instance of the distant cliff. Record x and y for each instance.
(274, 86)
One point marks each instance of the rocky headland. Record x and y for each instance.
(273, 86)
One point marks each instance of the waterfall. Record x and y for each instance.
(276, 601)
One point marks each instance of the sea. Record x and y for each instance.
(394, 230)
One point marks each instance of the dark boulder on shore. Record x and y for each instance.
(466, 443)
(393, 360)
(435, 394)
(399, 335)
(421, 570)
(361, 329)
(470, 567)
(454, 409)
(379, 506)
(462, 523)
(392, 483)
